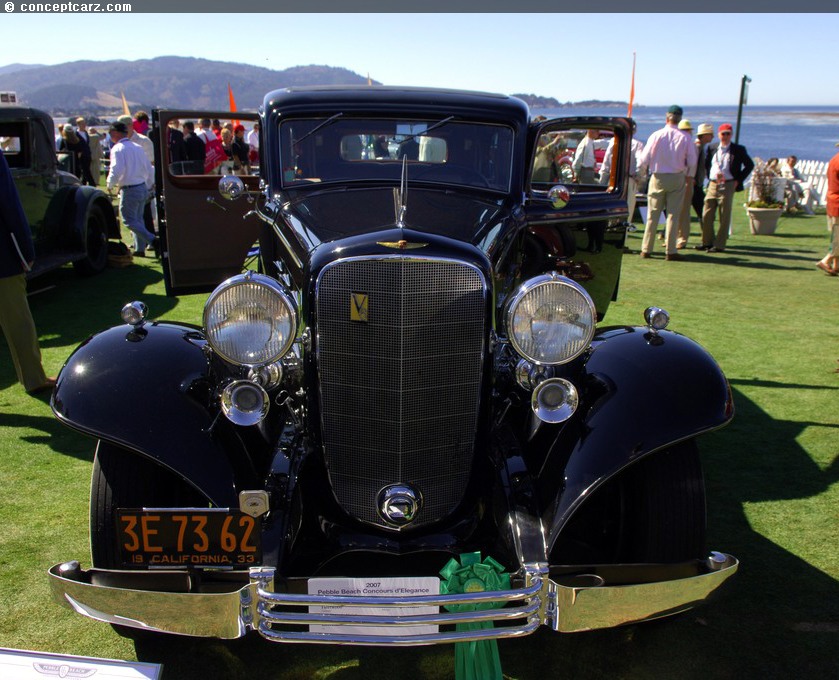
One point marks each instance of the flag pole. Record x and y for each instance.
(631, 89)
(232, 101)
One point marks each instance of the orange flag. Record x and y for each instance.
(232, 102)
(631, 88)
(125, 110)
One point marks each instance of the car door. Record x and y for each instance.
(577, 209)
(206, 238)
(30, 177)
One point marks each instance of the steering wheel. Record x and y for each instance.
(566, 173)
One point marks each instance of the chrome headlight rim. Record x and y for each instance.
(277, 289)
(550, 278)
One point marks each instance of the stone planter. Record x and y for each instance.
(763, 220)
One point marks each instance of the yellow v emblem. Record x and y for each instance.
(358, 307)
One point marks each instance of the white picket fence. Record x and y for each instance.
(815, 172)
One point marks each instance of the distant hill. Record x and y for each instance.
(536, 102)
(17, 67)
(94, 87)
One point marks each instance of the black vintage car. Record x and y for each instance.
(69, 222)
(410, 373)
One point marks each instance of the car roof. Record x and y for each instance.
(24, 112)
(378, 98)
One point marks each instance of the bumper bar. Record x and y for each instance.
(161, 601)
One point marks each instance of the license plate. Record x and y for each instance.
(403, 586)
(188, 537)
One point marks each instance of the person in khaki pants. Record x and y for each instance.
(16, 257)
(727, 166)
(684, 214)
(670, 157)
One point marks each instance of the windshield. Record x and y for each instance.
(443, 150)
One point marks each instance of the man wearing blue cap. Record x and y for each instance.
(670, 157)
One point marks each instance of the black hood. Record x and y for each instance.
(331, 214)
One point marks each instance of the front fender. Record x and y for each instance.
(147, 390)
(644, 392)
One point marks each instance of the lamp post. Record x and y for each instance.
(744, 92)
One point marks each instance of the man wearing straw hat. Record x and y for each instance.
(683, 231)
(704, 134)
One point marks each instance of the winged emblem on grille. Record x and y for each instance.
(401, 245)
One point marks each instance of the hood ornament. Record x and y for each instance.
(400, 195)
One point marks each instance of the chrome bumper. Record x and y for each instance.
(565, 603)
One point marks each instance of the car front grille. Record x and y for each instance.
(400, 386)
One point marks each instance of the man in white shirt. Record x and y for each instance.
(635, 169)
(727, 165)
(800, 191)
(145, 143)
(253, 144)
(133, 175)
(583, 163)
(205, 132)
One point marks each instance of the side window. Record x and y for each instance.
(212, 147)
(13, 143)
(576, 156)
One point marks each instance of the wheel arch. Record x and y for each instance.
(651, 511)
(147, 391)
(122, 478)
(644, 393)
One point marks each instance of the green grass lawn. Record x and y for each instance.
(761, 308)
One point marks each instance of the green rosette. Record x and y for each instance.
(476, 660)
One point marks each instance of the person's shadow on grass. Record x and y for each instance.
(70, 308)
(52, 433)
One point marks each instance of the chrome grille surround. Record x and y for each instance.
(400, 391)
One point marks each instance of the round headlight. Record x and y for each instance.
(250, 320)
(550, 320)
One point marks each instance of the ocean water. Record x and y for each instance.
(809, 132)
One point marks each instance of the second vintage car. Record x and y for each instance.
(69, 222)
(405, 420)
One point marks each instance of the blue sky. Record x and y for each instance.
(690, 59)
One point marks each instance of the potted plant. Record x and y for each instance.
(763, 207)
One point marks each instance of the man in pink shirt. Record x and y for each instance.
(669, 155)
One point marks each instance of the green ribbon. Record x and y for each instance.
(477, 660)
